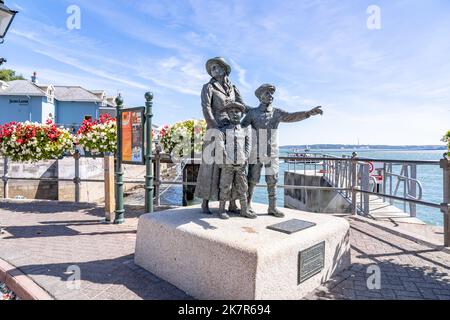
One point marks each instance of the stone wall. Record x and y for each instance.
(95, 191)
(323, 201)
(32, 189)
(90, 168)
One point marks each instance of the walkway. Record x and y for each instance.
(48, 240)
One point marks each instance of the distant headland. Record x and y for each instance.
(365, 147)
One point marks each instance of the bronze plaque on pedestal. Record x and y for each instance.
(311, 261)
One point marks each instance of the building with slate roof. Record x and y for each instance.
(23, 100)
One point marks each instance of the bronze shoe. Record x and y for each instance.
(224, 216)
(249, 215)
(276, 213)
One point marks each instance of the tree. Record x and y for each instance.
(9, 75)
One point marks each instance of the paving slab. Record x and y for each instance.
(104, 255)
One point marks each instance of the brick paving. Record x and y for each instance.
(49, 240)
(408, 270)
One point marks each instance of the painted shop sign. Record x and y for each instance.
(19, 101)
(133, 136)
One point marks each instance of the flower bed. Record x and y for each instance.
(98, 137)
(34, 141)
(183, 136)
(5, 293)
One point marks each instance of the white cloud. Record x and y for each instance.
(241, 75)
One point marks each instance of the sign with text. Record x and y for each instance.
(311, 262)
(133, 121)
(19, 101)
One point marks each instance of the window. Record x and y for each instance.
(50, 94)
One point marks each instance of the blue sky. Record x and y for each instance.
(387, 86)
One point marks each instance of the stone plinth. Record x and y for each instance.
(240, 258)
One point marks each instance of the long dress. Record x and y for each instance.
(213, 97)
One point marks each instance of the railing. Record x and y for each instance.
(347, 175)
(350, 175)
(339, 173)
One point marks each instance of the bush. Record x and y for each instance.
(34, 141)
(183, 136)
(446, 138)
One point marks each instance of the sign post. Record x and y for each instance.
(149, 154)
(134, 128)
(120, 211)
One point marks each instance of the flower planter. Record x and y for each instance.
(34, 142)
(98, 137)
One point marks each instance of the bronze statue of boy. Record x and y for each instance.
(264, 121)
(235, 145)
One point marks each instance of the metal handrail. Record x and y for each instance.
(407, 179)
(421, 162)
(420, 202)
(374, 183)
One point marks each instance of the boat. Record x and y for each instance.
(303, 157)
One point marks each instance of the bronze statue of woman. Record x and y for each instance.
(217, 93)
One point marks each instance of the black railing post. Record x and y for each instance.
(353, 184)
(445, 165)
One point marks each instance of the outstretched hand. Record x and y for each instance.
(316, 111)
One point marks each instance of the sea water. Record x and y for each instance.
(430, 176)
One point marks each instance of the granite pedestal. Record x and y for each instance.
(239, 258)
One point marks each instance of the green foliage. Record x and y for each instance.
(9, 75)
(446, 138)
(182, 136)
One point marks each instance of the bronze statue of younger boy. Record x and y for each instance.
(235, 143)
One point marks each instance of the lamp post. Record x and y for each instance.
(6, 18)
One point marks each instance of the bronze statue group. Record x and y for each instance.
(235, 150)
